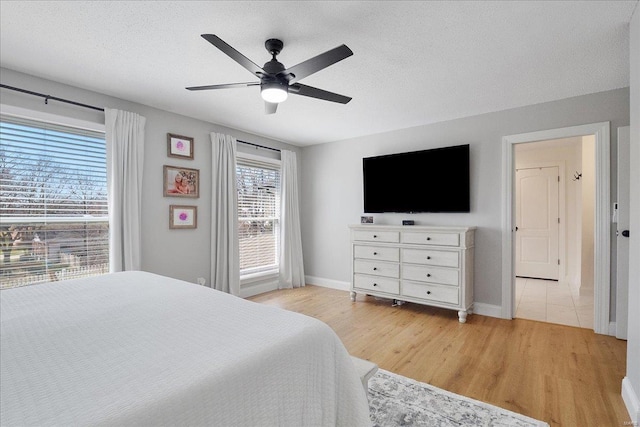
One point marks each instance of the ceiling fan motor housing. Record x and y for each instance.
(273, 67)
(271, 80)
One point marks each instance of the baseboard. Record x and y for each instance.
(631, 401)
(612, 329)
(487, 309)
(327, 283)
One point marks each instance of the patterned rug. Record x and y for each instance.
(395, 400)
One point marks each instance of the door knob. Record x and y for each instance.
(625, 233)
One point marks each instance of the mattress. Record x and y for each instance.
(135, 348)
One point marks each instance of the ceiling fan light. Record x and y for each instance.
(273, 92)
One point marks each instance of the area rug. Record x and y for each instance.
(395, 400)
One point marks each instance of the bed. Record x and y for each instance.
(135, 348)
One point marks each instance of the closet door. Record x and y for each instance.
(537, 232)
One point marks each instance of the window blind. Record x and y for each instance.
(53, 202)
(258, 185)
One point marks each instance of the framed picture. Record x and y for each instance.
(179, 146)
(181, 182)
(366, 220)
(183, 216)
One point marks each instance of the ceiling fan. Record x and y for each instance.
(276, 81)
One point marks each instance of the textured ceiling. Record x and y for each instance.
(414, 62)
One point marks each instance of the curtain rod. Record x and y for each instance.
(48, 97)
(259, 146)
(55, 98)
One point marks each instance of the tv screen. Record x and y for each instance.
(435, 180)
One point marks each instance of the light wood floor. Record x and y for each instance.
(564, 375)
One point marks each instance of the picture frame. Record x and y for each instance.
(179, 146)
(183, 217)
(181, 182)
(365, 219)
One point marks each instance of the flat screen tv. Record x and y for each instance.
(435, 180)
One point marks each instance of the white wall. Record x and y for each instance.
(183, 254)
(588, 181)
(631, 383)
(332, 181)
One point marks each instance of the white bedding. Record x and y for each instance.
(138, 349)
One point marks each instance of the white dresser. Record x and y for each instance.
(424, 265)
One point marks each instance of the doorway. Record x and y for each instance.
(601, 241)
(554, 207)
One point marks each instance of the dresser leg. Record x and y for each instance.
(352, 295)
(462, 316)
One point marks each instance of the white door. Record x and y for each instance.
(622, 266)
(537, 223)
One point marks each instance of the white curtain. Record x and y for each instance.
(124, 134)
(225, 252)
(291, 265)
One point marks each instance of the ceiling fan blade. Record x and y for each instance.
(270, 107)
(233, 54)
(304, 90)
(224, 86)
(316, 63)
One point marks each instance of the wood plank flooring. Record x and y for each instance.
(564, 375)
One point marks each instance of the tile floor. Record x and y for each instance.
(553, 302)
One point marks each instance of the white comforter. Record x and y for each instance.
(138, 349)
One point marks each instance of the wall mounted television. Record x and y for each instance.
(435, 180)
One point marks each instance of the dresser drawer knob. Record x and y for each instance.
(428, 274)
(375, 236)
(375, 253)
(428, 257)
(428, 292)
(375, 268)
(428, 238)
(375, 284)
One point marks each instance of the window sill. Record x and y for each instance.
(248, 279)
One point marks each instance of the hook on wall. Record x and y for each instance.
(577, 176)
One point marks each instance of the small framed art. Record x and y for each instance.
(366, 220)
(181, 182)
(179, 146)
(183, 217)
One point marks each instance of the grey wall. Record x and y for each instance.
(332, 181)
(183, 254)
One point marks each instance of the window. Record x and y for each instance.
(258, 184)
(53, 202)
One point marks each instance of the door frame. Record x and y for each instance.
(622, 286)
(560, 164)
(602, 239)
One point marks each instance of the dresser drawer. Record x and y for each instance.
(431, 257)
(386, 269)
(376, 236)
(446, 294)
(380, 284)
(423, 273)
(427, 238)
(377, 253)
